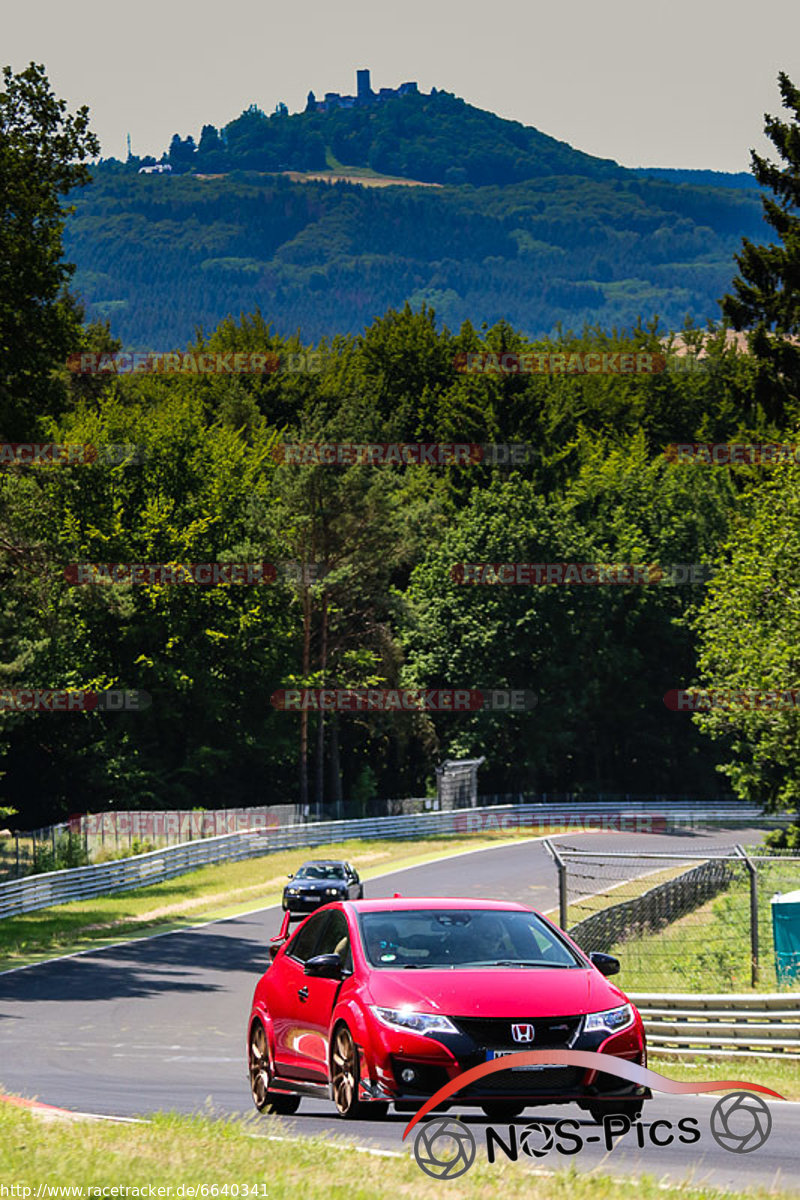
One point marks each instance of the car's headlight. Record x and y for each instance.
(406, 1018)
(333, 891)
(610, 1021)
(291, 891)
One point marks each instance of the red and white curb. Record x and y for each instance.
(49, 1112)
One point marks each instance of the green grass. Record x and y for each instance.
(171, 1151)
(207, 893)
(783, 1077)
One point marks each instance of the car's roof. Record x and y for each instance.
(323, 862)
(409, 903)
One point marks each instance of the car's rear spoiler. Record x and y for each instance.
(276, 942)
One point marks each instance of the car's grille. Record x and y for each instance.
(549, 1032)
(550, 1081)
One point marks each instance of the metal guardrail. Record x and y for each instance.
(59, 887)
(731, 1026)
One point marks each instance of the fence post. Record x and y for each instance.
(753, 873)
(16, 839)
(561, 867)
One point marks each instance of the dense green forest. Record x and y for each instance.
(387, 608)
(209, 484)
(158, 256)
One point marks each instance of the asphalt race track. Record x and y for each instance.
(160, 1024)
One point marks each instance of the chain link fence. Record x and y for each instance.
(678, 923)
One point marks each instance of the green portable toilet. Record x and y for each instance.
(786, 936)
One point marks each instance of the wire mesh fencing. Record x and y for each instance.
(679, 923)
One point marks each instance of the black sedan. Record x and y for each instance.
(321, 882)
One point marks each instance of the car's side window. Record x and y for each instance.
(335, 939)
(303, 944)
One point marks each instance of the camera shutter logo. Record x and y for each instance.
(529, 1139)
(444, 1148)
(523, 1033)
(741, 1122)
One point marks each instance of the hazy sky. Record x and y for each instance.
(680, 83)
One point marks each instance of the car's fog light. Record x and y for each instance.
(408, 1075)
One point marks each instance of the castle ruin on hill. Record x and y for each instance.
(364, 95)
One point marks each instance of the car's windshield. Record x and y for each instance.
(320, 871)
(419, 938)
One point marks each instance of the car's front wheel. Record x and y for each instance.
(630, 1108)
(345, 1076)
(282, 1103)
(503, 1110)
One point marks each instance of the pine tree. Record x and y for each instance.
(766, 294)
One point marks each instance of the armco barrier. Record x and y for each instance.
(78, 883)
(730, 1026)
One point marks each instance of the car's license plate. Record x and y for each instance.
(491, 1054)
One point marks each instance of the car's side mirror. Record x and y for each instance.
(290, 875)
(274, 946)
(324, 966)
(605, 963)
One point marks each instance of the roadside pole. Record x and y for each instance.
(754, 949)
(561, 867)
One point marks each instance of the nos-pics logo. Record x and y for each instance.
(446, 1148)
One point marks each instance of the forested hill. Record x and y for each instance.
(522, 228)
(436, 138)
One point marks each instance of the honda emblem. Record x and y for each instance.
(522, 1033)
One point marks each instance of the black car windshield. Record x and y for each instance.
(464, 938)
(320, 871)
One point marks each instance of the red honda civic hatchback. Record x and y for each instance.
(374, 1002)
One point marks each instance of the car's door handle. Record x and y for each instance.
(302, 993)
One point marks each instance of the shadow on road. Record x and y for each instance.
(178, 962)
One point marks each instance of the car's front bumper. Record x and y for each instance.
(436, 1061)
(309, 902)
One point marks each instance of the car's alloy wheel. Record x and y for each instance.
(265, 1100)
(503, 1110)
(345, 1077)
